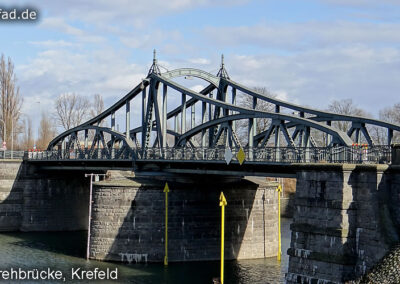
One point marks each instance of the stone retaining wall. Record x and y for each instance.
(128, 220)
(343, 223)
(33, 200)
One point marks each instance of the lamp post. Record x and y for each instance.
(4, 136)
(40, 113)
(12, 136)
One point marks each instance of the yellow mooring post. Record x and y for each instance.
(222, 203)
(279, 190)
(166, 190)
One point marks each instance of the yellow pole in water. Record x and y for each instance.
(222, 203)
(166, 190)
(279, 190)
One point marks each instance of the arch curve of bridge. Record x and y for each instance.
(67, 133)
(251, 113)
(340, 136)
(321, 116)
(192, 72)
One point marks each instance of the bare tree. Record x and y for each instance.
(71, 110)
(345, 107)
(97, 106)
(27, 134)
(46, 132)
(391, 115)
(10, 99)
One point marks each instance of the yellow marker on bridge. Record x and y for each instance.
(166, 190)
(241, 156)
(222, 203)
(279, 190)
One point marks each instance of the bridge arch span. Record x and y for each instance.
(182, 72)
(341, 137)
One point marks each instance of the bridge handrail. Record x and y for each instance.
(338, 154)
(6, 154)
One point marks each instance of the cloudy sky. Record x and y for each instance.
(308, 52)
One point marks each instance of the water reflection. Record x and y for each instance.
(62, 251)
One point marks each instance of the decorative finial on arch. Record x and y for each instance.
(222, 73)
(154, 68)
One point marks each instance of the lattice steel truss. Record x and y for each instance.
(290, 125)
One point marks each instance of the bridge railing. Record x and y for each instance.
(358, 155)
(7, 154)
(81, 154)
(341, 154)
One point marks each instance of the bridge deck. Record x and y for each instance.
(156, 167)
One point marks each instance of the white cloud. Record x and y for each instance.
(362, 3)
(305, 35)
(131, 13)
(52, 43)
(365, 74)
(200, 61)
(197, 88)
(59, 24)
(54, 72)
(151, 39)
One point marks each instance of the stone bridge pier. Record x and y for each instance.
(346, 218)
(128, 218)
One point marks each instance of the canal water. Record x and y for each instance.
(64, 251)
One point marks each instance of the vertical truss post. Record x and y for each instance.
(63, 148)
(158, 115)
(358, 136)
(113, 121)
(98, 145)
(277, 109)
(183, 114)
(211, 129)
(112, 138)
(144, 106)
(225, 99)
(86, 138)
(307, 143)
(230, 133)
(76, 146)
(128, 120)
(277, 143)
(112, 147)
(193, 116)
(203, 120)
(223, 112)
(176, 126)
(251, 138)
(234, 103)
(227, 136)
(255, 119)
(328, 137)
(86, 142)
(164, 117)
(203, 132)
(390, 136)
(301, 137)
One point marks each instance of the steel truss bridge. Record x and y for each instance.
(212, 125)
